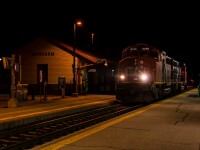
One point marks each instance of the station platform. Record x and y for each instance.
(170, 124)
(33, 110)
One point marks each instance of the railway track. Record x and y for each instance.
(27, 137)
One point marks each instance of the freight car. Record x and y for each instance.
(147, 74)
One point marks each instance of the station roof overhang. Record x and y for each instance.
(81, 54)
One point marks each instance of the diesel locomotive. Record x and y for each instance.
(146, 74)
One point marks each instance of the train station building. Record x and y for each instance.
(45, 62)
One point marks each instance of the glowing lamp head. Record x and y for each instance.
(144, 77)
(122, 77)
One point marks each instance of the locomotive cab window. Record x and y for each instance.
(154, 55)
(144, 53)
(133, 51)
(124, 54)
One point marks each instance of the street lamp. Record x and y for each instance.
(74, 59)
(92, 40)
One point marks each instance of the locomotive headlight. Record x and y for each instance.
(122, 77)
(144, 77)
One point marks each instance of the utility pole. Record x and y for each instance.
(75, 92)
(13, 102)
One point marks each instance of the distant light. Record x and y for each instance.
(0, 59)
(78, 22)
(105, 64)
(122, 77)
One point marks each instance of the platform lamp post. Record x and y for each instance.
(185, 77)
(74, 60)
(92, 40)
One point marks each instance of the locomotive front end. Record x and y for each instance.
(135, 75)
(134, 83)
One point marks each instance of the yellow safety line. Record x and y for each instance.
(66, 140)
(46, 111)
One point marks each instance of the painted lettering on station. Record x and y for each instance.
(42, 53)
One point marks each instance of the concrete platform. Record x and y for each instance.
(171, 124)
(33, 110)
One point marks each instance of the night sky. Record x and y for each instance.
(172, 27)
